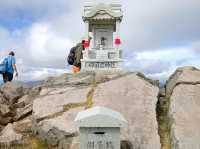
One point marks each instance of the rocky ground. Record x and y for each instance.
(43, 116)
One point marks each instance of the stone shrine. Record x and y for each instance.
(102, 24)
(100, 128)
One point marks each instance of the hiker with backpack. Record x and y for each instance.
(75, 55)
(8, 67)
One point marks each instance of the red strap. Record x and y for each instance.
(117, 41)
(86, 44)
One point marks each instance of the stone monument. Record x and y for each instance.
(100, 128)
(102, 23)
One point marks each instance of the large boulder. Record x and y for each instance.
(5, 120)
(69, 79)
(14, 104)
(5, 110)
(12, 92)
(22, 113)
(6, 114)
(54, 111)
(23, 126)
(135, 96)
(136, 99)
(8, 136)
(183, 88)
(59, 131)
(2, 99)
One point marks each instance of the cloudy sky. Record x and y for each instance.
(158, 35)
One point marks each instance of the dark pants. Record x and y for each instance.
(7, 77)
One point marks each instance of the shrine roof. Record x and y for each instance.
(103, 11)
(100, 117)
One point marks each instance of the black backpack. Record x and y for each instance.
(71, 56)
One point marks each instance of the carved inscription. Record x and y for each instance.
(100, 145)
(101, 65)
(100, 141)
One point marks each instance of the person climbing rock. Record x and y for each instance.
(76, 54)
(10, 67)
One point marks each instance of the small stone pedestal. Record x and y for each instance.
(100, 128)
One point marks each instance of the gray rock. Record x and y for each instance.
(12, 92)
(82, 79)
(33, 92)
(53, 100)
(23, 126)
(9, 136)
(70, 79)
(3, 100)
(56, 137)
(22, 113)
(59, 131)
(22, 102)
(136, 99)
(181, 75)
(55, 109)
(153, 82)
(5, 120)
(1, 127)
(184, 108)
(101, 77)
(4, 110)
(28, 98)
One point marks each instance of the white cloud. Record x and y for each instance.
(154, 24)
(148, 29)
(166, 54)
(34, 74)
(196, 47)
(3, 53)
(45, 46)
(161, 63)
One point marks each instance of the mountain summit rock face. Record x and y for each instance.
(55, 108)
(136, 99)
(184, 111)
(158, 118)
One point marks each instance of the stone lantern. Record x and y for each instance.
(99, 128)
(102, 24)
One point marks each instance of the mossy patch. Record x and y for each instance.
(164, 127)
(88, 103)
(29, 142)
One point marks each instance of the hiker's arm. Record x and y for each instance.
(15, 68)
